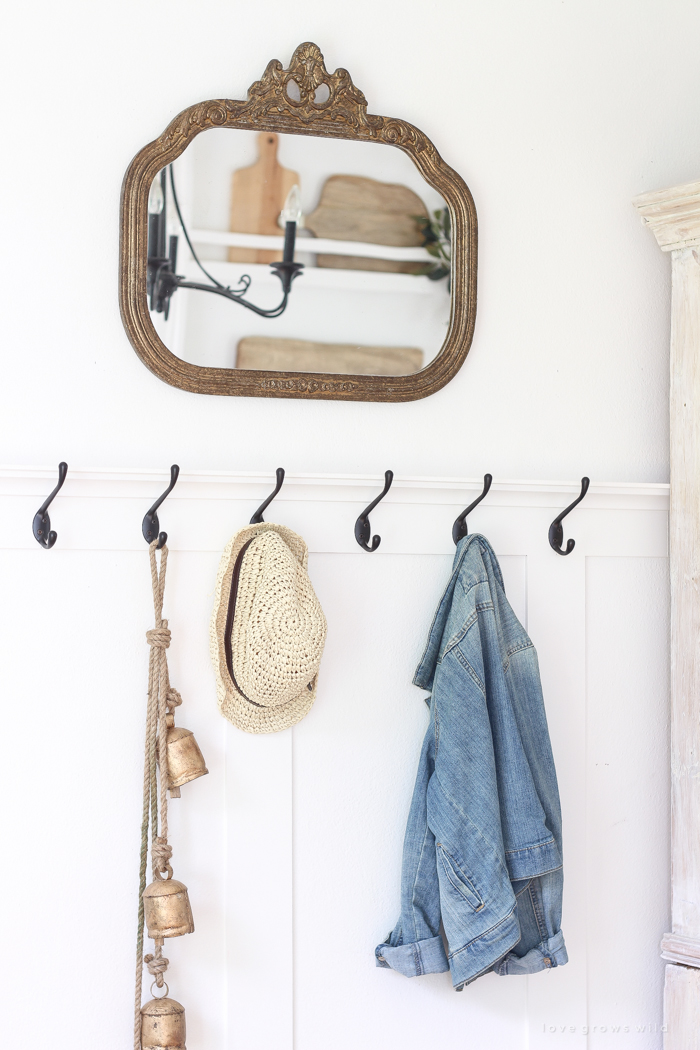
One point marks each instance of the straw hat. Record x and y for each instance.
(267, 630)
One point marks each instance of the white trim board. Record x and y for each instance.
(15, 480)
(206, 508)
(313, 245)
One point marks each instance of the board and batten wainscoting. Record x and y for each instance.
(291, 846)
(673, 215)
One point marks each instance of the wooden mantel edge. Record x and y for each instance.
(679, 949)
(673, 215)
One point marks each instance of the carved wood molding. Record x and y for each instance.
(679, 949)
(343, 108)
(328, 104)
(673, 216)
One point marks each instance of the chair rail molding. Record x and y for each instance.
(673, 216)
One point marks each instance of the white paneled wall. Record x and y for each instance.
(291, 847)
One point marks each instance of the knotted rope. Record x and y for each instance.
(157, 965)
(161, 699)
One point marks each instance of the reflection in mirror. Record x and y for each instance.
(295, 253)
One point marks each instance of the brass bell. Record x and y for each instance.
(167, 910)
(185, 760)
(162, 1025)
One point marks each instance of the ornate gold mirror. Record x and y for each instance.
(302, 248)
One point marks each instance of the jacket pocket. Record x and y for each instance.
(461, 883)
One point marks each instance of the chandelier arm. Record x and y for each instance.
(227, 294)
(184, 230)
(166, 281)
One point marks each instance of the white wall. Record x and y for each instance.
(556, 114)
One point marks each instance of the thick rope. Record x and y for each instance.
(161, 698)
(150, 731)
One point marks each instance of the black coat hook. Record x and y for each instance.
(150, 524)
(362, 526)
(459, 529)
(556, 529)
(41, 526)
(257, 518)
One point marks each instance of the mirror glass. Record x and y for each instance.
(373, 296)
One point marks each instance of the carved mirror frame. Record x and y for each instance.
(343, 115)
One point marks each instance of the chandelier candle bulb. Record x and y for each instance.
(292, 207)
(291, 215)
(155, 197)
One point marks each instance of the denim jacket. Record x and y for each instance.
(482, 853)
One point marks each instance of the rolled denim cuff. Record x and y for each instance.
(533, 861)
(484, 952)
(549, 953)
(414, 959)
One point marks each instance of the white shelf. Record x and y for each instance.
(313, 245)
(319, 277)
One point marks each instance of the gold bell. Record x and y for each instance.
(167, 911)
(162, 1024)
(185, 760)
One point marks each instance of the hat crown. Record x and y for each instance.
(267, 631)
(279, 629)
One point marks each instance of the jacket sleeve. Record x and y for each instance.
(414, 946)
(477, 901)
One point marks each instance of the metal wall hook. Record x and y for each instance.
(150, 524)
(41, 526)
(556, 529)
(362, 526)
(459, 529)
(257, 518)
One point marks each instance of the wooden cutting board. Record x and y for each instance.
(302, 355)
(354, 208)
(258, 194)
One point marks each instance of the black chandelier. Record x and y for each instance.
(162, 281)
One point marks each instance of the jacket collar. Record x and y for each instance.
(474, 558)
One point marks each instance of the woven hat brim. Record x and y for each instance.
(233, 705)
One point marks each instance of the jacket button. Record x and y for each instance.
(547, 961)
(381, 958)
